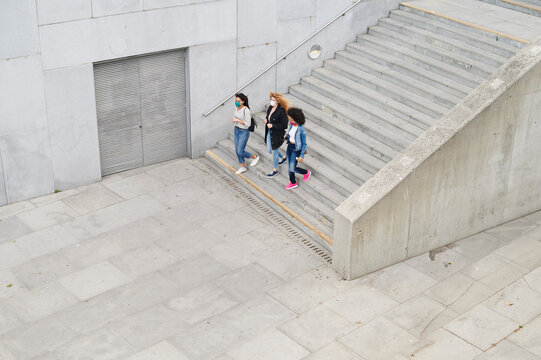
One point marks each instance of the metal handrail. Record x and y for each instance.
(283, 57)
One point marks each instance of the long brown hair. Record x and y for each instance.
(281, 100)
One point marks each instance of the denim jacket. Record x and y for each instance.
(300, 139)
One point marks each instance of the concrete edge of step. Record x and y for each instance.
(314, 232)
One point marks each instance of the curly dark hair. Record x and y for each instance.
(297, 115)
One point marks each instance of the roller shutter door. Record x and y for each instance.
(141, 108)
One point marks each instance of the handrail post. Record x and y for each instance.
(283, 57)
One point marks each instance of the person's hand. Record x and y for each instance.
(299, 159)
(233, 121)
(269, 125)
(265, 120)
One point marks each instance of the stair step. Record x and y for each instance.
(285, 197)
(467, 31)
(404, 82)
(357, 155)
(335, 160)
(429, 64)
(387, 88)
(344, 130)
(410, 130)
(516, 5)
(420, 119)
(476, 67)
(449, 85)
(536, 3)
(315, 207)
(327, 175)
(397, 140)
(443, 42)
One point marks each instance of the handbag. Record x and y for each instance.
(253, 124)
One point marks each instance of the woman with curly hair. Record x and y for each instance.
(275, 127)
(296, 147)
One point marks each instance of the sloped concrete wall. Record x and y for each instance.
(480, 166)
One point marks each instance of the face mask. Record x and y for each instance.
(291, 123)
(272, 103)
(237, 104)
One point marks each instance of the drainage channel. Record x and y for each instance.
(281, 223)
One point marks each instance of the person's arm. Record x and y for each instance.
(303, 140)
(247, 117)
(281, 120)
(267, 117)
(244, 115)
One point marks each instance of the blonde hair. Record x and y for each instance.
(281, 100)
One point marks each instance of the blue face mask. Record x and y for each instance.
(237, 104)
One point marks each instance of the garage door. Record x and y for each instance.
(141, 107)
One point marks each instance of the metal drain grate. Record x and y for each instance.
(287, 228)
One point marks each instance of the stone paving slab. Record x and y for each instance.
(400, 281)
(317, 327)
(335, 351)
(270, 345)
(12, 227)
(380, 339)
(528, 337)
(482, 327)
(505, 350)
(31, 306)
(47, 215)
(94, 280)
(188, 270)
(161, 351)
(92, 198)
(442, 345)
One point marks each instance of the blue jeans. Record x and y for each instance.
(292, 155)
(276, 156)
(241, 139)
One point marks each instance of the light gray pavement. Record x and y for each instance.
(165, 262)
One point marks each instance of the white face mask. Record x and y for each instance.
(272, 103)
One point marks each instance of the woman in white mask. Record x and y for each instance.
(275, 127)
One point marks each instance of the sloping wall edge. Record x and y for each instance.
(476, 168)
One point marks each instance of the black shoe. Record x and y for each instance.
(282, 160)
(272, 174)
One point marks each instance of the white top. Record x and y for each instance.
(292, 132)
(245, 115)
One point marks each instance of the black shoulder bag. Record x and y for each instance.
(253, 124)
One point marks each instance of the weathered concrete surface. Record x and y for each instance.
(477, 168)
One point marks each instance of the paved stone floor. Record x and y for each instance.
(166, 263)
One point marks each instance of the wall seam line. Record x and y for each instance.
(511, 155)
(4, 177)
(45, 100)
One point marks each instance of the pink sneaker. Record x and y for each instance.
(291, 186)
(307, 176)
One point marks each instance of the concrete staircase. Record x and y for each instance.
(530, 7)
(369, 103)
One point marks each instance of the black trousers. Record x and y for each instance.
(292, 155)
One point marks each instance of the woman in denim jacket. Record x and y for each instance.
(296, 146)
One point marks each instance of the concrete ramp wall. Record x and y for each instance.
(480, 166)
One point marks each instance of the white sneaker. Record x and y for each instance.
(241, 170)
(254, 161)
